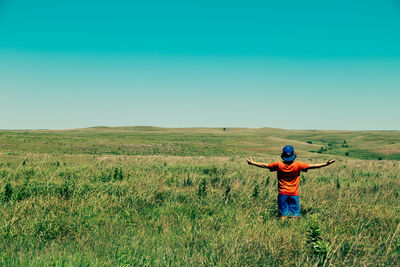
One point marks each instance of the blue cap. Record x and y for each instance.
(288, 153)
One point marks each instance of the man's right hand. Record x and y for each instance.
(250, 161)
(329, 162)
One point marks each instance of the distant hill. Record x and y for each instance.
(261, 142)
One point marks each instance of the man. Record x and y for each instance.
(288, 180)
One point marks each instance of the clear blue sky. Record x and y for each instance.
(286, 64)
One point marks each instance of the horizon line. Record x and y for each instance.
(195, 127)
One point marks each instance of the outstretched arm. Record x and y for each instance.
(257, 164)
(316, 166)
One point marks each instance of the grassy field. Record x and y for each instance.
(154, 196)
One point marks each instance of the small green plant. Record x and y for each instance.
(3, 173)
(211, 171)
(225, 182)
(117, 174)
(317, 246)
(187, 182)
(104, 177)
(215, 180)
(375, 188)
(67, 189)
(7, 193)
(267, 181)
(227, 196)
(28, 173)
(201, 192)
(338, 185)
(256, 191)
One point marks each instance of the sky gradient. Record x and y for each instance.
(292, 64)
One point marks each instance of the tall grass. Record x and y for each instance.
(166, 210)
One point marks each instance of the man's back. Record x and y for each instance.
(288, 176)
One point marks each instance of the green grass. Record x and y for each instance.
(384, 145)
(153, 196)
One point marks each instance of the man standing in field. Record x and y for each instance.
(288, 180)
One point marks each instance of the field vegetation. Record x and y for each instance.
(154, 196)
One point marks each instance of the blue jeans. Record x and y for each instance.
(289, 205)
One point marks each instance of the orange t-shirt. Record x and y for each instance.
(288, 176)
